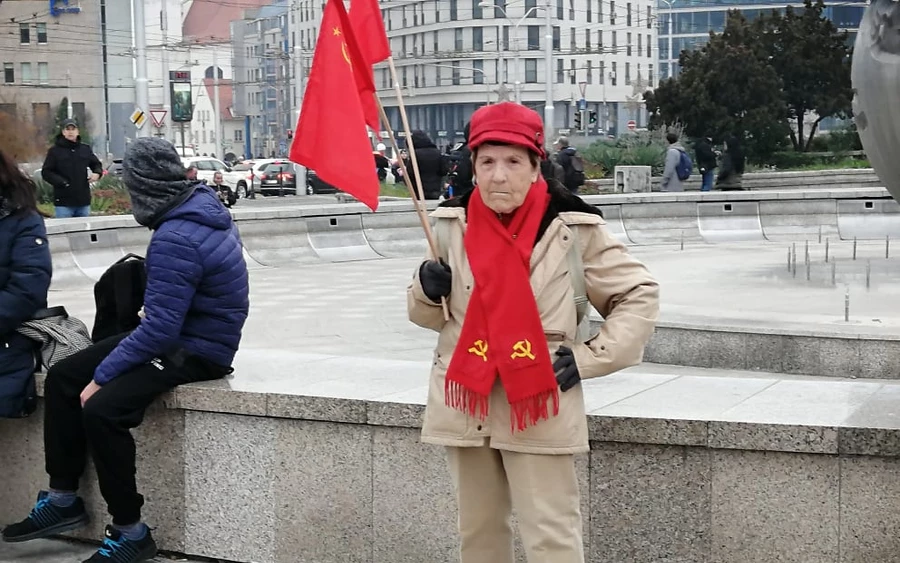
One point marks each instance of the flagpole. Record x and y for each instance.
(419, 203)
(405, 120)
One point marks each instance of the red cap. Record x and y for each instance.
(509, 123)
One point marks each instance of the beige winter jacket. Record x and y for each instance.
(618, 286)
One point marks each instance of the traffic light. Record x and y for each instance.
(592, 117)
(578, 120)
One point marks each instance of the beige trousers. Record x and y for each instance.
(543, 490)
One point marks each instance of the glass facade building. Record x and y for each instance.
(685, 24)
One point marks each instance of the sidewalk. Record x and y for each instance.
(57, 551)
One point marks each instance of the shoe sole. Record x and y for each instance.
(64, 526)
(147, 555)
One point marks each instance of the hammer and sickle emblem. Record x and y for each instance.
(522, 349)
(480, 349)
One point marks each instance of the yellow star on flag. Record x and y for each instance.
(337, 31)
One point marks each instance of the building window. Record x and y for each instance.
(559, 9)
(387, 18)
(600, 11)
(476, 10)
(640, 48)
(627, 74)
(403, 80)
(534, 38)
(628, 14)
(650, 76)
(42, 33)
(599, 41)
(560, 71)
(506, 38)
(590, 72)
(612, 12)
(649, 17)
(529, 4)
(587, 39)
(556, 40)
(649, 49)
(458, 39)
(573, 45)
(615, 41)
(478, 38)
(9, 73)
(435, 34)
(601, 69)
(478, 72)
(43, 73)
(24, 34)
(628, 44)
(589, 11)
(572, 73)
(26, 73)
(455, 73)
(614, 79)
(453, 10)
(437, 76)
(531, 71)
(437, 11)
(571, 9)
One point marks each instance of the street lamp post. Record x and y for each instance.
(669, 4)
(515, 26)
(473, 69)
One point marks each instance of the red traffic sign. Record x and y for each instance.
(158, 116)
(632, 125)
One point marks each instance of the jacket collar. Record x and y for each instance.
(561, 201)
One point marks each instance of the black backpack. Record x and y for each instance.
(577, 169)
(119, 295)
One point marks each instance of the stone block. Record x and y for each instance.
(647, 430)
(870, 510)
(837, 357)
(413, 501)
(230, 489)
(769, 506)
(763, 352)
(649, 503)
(773, 437)
(879, 359)
(323, 482)
(218, 396)
(331, 409)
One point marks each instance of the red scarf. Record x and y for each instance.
(502, 331)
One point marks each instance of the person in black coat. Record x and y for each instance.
(65, 168)
(706, 163)
(25, 271)
(432, 165)
(732, 172)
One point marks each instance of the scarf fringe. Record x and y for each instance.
(461, 398)
(531, 410)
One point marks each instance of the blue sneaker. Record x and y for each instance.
(47, 520)
(118, 549)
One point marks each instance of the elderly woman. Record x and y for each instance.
(504, 396)
(25, 270)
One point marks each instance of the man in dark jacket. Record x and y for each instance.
(706, 163)
(65, 168)
(565, 157)
(195, 306)
(461, 175)
(432, 165)
(25, 269)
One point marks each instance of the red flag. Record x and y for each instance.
(331, 136)
(368, 28)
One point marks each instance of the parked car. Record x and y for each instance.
(207, 168)
(278, 178)
(114, 168)
(251, 172)
(314, 185)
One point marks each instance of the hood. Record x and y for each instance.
(420, 140)
(677, 146)
(570, 150)
(203, 207)
(65, 143)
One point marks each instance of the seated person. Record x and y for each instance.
(223, 191)
(195, 306)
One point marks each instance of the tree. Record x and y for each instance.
(724, 89)
(18, 135)
(812, 58)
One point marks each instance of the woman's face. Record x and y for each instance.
(504, 174)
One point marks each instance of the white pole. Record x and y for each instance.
(167, 101)
(142, 86)
(548, 76)
(217, 113)
(69, 96)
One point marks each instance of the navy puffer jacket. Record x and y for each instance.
(25, 270)
(197, 296)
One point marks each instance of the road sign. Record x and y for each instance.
(583, 87)
(139, 118)
(632, 125)
(582, 104)
(158, 116)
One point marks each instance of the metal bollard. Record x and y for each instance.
(682, 240)
(847, 305)
(806, 253)
(833, 272)
(868, 274)
(789, 259)
(820, 234)
(854, 248)
(887, 247)
(794, 260)
(826, 251)
(808, 268)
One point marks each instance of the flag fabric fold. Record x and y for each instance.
(368, 29)
(331, 136)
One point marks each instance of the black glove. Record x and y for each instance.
(565, 369)
(435, 278)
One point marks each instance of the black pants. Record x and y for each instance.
(105, 422)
